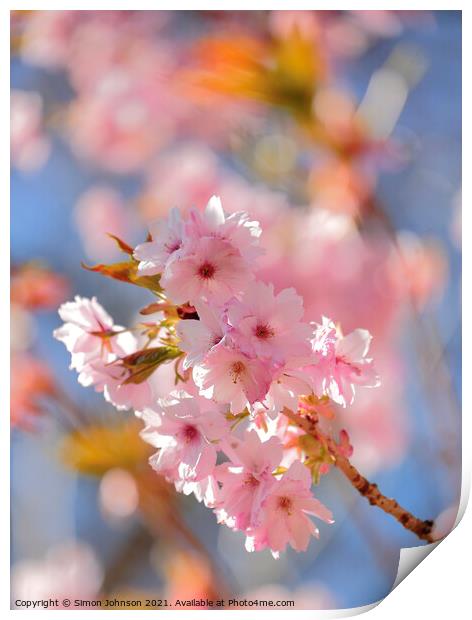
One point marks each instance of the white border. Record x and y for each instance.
(438, 586)
(240, 5)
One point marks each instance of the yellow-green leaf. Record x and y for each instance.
(142, 364)
(127, 272)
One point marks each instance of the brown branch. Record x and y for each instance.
(368, 489)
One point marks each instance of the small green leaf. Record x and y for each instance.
(142, 364)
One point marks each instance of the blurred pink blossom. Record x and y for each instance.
(47, 35)
(35, 287)
(100, 210)
(123, 122)
(29, 145)
(118, 494)
(420, 267)
(31, 380)
(377, 421)
(70, 570)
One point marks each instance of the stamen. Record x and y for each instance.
(251, 481)
(237, 368)
(264, 332)
(190, 432)
(206, 271)
(285, 503)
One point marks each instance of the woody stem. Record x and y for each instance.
(369, 490)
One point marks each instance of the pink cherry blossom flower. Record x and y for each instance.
(185, 431)
(205, 490)
(213, 271)
(107, 376)
(198, 337)
(280, 427)
(127, 395)
(285, 513)
(89, 332)
(341, 363)
(174, 237)
(267, 325)
(229, 376)
(287, 386)
(208, 223)
(96, 344)
(236, 228)
(167, 240)
(247, 479)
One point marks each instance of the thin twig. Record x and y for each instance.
(368, 489)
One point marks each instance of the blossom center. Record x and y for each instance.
(206, 271)
(263, 331)
(236, 370)
(285, 504)
(189, 433)
(251, 481)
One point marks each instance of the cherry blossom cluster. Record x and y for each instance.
(242, 356)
